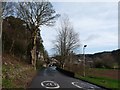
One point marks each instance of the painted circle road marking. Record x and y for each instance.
(50, 84)
(75, 84)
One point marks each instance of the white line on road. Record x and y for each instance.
(75, 84)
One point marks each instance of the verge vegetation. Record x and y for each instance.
(16, 74)
(102, 81)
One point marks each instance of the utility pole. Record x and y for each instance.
(84, 59)
(1, 22)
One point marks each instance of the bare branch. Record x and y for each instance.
(67, 40)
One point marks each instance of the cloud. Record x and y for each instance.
(97, 24)
(83, 0)
(91, 38)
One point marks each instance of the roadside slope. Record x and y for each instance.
(16, 74)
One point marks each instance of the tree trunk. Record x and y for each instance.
(33, 54)
(12, 46)
(33, 51)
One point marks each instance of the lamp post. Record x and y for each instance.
(84, 59)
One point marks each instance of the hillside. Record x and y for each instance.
(16, 74)
(17, 43)
(103, 59)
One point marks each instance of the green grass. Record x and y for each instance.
(7, 83)
(102, 81)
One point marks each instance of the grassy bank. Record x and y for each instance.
(16, 74)
(102, 81)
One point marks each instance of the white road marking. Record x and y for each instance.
(91, 88)
(75, 84)
(50, 84)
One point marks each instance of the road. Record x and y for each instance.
(50, 78)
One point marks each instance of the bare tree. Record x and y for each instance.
(35, 14)
(7, 9)
(67, 40)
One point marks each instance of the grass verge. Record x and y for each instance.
(102, 81)
(15, 73)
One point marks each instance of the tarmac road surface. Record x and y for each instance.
(50, 78)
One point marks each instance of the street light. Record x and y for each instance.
(84, 58)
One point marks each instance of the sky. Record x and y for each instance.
(96, 23)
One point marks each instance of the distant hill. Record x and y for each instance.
(105, 59)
